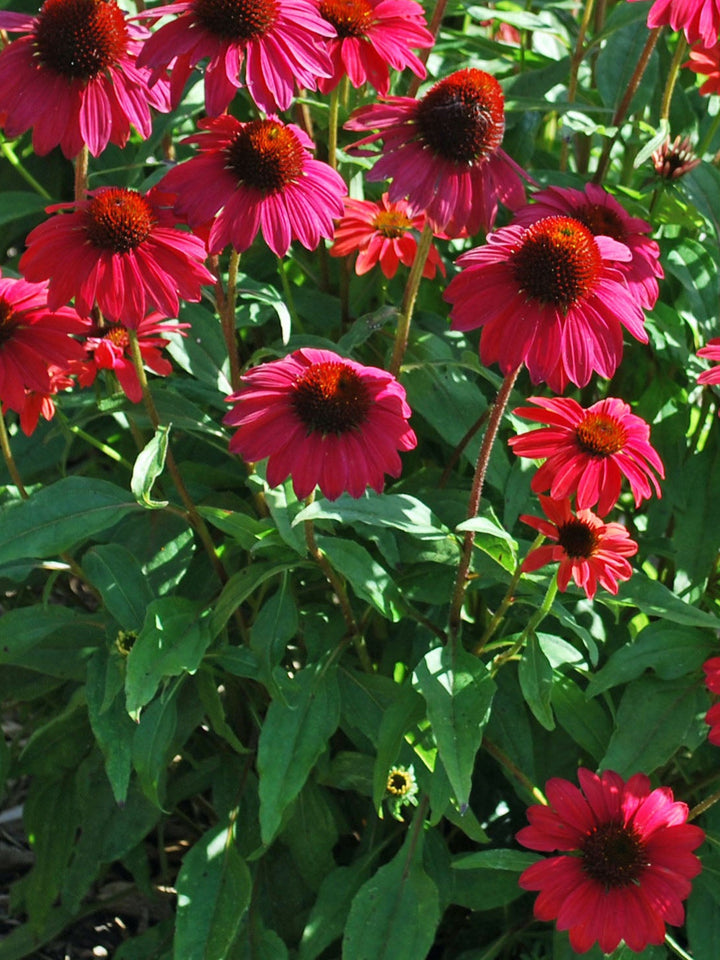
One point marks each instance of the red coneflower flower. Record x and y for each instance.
(383, 233)
(373, 35)
(109, 349)
(705, 61)
(590, 552)
(38, 405)
(712, 682)
(603, 216)
(74, 78)
(443, 152)
(699, 19)
(627, 860)
(587, 452)
(323, 420)
(711, 351)
(281, 42)
(260, 176)
(118, 248)
(34, 340)
(547, 296)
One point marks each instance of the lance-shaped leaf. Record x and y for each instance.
(149, 465)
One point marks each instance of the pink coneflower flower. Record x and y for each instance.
(626, 865)
(705, 61)
(109, 349)
(260, 176)
(673, 160)
(712, 682)
(38, 405)
(711, 351)
(603, 216)
(590, 552)
(443, 152)
(699, 19)
(547, 296)
(323, 420)
(74, 78)
(118, 248)
(373, 35)
(382, 233)
(34, 340)
(587, 452)
(282, 44)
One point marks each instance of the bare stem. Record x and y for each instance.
(704, 805)
(409, 297)
(228, 319)
(575, 62)
(514, 771)
(624, 105)
(193, 516)
(81, 173)
(9, 459)
(475, 494)
(333, 126)
(434, 28)
(680, 48)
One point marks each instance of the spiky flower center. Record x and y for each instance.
(118, 336)
(266, 155)
(79, 39)
(8, 320)
(613, 855)
(462, 118)
(600, 435)
(236, 20)
(330, 397)
(351, 18)
(118, 220)
(602, 221)
(391, 223)
(557, 262)
(399, 782)
(578, 540)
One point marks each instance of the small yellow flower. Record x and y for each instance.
(401, 782)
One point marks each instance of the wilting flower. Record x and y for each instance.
(382, 233)
(108, 348)
(699, 19)
(74, 79)
(260, 176)
(323, 420)
(712, 682)
(674, 160)
(587, 452)
(601, 213)
(282, 43)
(548, 296)
(705, 60)
(443, 151)
(590, 552)
(118, 248)
(626, 865)
(373, 35)
(34, 341)
(711, 351)
(41, 404)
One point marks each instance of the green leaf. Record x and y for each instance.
(149, 465)
(458, 691)
(275, 626)
(213, 889)
(702, 185)
(369, 580)
(514, 861)
(396, 510)
(653, 598)
(671, 651)
(653, 720)
(60, 516)
(616, 65)
(23, 629)
(395, 914)
(397, 720)
(241, 585)
(113, 729)
(536, 677)
(583, 719)
(293, 736)
(121, 582)
(174, 637)
(153, 744)
(327, 917)
(18, 204)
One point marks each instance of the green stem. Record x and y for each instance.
(410, 296)
(704, 805)
(228, 319)
(434, 28)
(93, 441)
(193, 516)
(474, 502)
(709, 135)
(531, 626)
(340, 592)
(575, 62)
(624, 105)
(514, 771)
(333, 126)
(507, 600)
(9, 459)
(13, 159)
(289, 300)
(672, 76)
